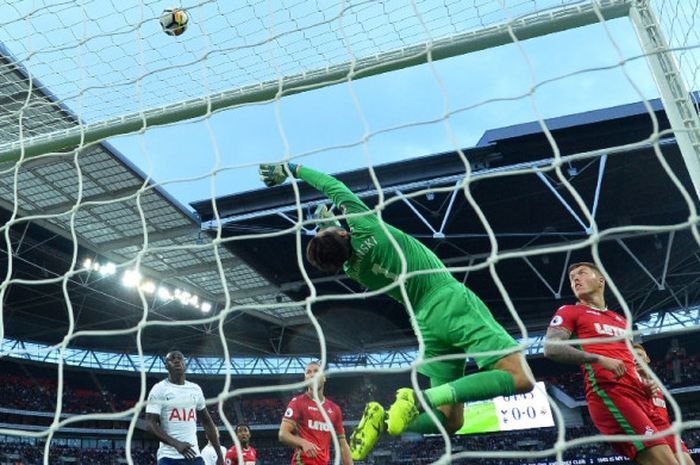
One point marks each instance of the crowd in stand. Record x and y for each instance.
(27, 454)
(430, 449)
(35, 394)
(24, 393)
(268, 411)
(687, 374)
(262, 411)
(394, 451)
(39, 395)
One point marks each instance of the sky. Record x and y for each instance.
(127, 64)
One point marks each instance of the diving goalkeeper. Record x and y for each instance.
(450, 317)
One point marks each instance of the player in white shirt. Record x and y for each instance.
(171, 415)
(208, 453)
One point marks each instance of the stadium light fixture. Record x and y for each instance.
(148, 287)
(133, 279)
(109, 269)
(164, 294)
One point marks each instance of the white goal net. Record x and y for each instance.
(109, 127)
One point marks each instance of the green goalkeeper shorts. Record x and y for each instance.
(454, 320)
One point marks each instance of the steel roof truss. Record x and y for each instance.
(599, 183)
(97, 360)
(675, 297)
(639, 263)
(466, 273)
(563, 201)
(154, 236)
(307, 231)
(539, 275)
(671, 235)
(93, 200)
(450, 205)
(204, 267)
(417, 213)
(154, 359)
(564, 274)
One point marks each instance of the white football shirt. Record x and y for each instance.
(177, 406)
(209, 454)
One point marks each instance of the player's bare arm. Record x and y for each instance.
(650, 386)
(210, 432)
(644, 371)
(184, 448)
(345, 455)
(287, 437)
(564, 353)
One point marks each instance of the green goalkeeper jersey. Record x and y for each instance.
(375, 262)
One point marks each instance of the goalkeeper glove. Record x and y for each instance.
(325, 218)
(273, 174)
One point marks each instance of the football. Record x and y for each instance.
(174, 21)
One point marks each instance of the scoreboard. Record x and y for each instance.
(519, 411)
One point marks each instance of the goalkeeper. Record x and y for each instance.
(450, 317)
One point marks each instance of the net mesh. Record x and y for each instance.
(67, 64)
(102, 63)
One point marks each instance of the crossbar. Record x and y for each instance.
(528, 27)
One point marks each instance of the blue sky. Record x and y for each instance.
(328, 117)
(145, 68)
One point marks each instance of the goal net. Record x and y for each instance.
(512, 136)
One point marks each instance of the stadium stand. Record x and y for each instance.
(28, 391)
(39, 394)
(667, 369)
(414, 452)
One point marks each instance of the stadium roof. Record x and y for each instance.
(646, 245)
(118, 206)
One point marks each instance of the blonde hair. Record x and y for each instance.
(637, 345)
(590, 265)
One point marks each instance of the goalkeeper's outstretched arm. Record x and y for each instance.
(332, 247)
(340, 195)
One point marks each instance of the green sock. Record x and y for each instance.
(424, 424)
(477, 386)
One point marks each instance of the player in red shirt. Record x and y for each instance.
(312, 441)
(657, 399)
(249, 455)
(618, 400)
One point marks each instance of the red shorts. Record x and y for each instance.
(665, 424)
(619, 409)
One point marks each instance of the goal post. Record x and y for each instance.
(528, 27)
(674, 94)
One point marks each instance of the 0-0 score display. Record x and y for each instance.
(520, 411)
